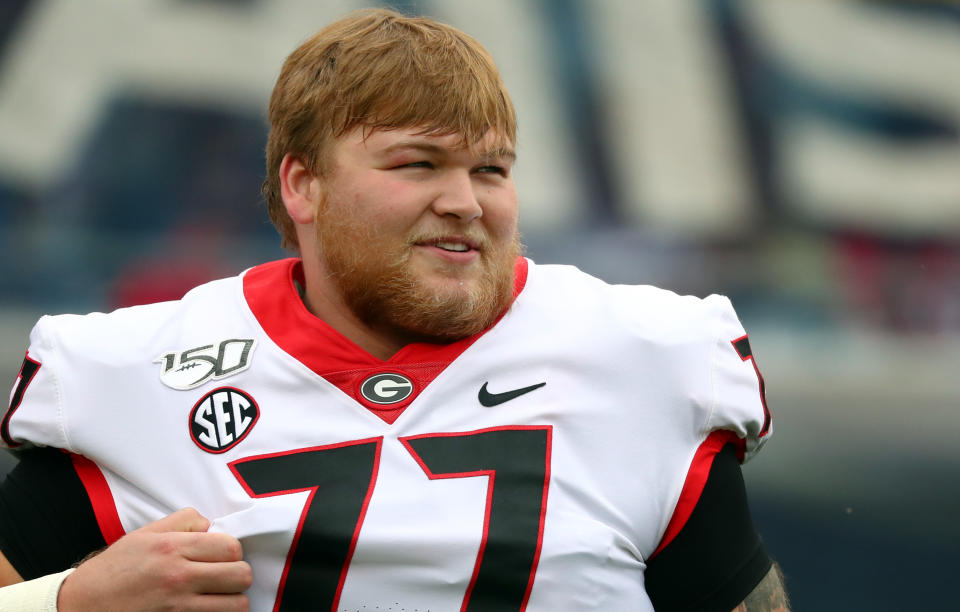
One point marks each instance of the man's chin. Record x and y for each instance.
(449, 289)
(444, 309)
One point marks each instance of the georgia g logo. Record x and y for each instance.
(386, 388)
(222, 418)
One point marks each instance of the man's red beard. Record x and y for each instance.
(377, 284)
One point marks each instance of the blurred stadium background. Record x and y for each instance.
(802, 157)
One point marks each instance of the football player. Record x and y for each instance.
(409, 415)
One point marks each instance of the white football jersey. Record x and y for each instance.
(534, 467)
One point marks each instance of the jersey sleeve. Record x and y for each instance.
(737, 391)
(48, 519)
(34, 415)
(710, 556)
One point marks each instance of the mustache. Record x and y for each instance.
(476, 239)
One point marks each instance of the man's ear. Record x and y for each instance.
(300, 190)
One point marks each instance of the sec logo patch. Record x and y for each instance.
(222, 418)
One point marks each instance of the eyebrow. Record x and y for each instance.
(501, 153)
(426, 147)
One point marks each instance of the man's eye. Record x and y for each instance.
(501, 170)
(417, 164)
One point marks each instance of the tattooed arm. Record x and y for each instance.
(768, 596)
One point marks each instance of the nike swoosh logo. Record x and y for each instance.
(495, 399)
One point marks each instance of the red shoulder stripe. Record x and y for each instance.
(104, 506)
(696, 480)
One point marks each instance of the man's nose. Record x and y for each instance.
(457, 196)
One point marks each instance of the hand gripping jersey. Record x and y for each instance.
(537, 466)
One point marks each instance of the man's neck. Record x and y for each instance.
(326, 303)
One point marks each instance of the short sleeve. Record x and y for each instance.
(34, 413)
(738, 395)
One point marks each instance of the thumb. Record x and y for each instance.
(186, 519)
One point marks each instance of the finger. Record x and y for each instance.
(186, 519)
(218, 603)
(221, 578)
(209, 547)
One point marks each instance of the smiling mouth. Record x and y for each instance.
(451, 244)
(457, 247)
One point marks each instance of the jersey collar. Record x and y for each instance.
(271, 292)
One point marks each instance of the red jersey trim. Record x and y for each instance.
(104, 506)
(696, 480)
(742, 346)
(271, 293)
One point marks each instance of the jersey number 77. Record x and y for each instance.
(341, 478)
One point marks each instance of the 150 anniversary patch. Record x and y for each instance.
(183, 370)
